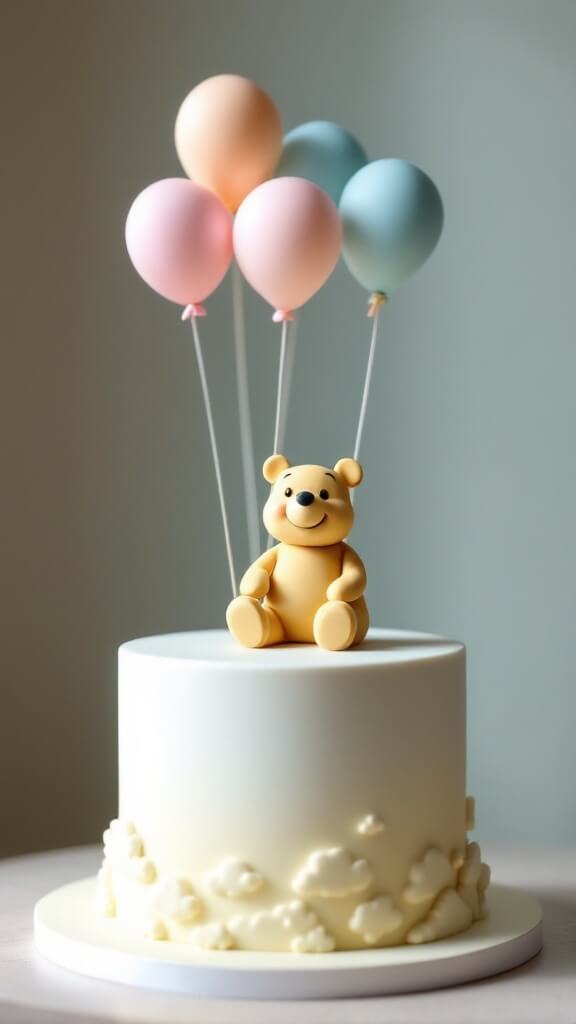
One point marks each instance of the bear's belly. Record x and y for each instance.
(298, 586)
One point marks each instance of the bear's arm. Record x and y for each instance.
(256, 580)
(351, 583)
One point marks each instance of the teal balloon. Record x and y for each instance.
(322, 152)
(392, 218)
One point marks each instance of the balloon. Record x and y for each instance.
(287, 238)
(228, 137)
(392, 219)
(179, 238)
(323, 152)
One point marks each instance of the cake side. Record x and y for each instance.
(292, 798)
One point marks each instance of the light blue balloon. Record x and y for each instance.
(322, 152)
(392, 218)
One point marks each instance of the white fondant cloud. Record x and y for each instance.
(449, 915)
(470, 870)
(234, 878)
(484, 879)
(317, 940)
(175, 898)
(460, 904)
(157, 930)
(212, 936)
(375, 918)
(273, 929)
(332, 873)
(457, 859)
(370, 825)
(121, 841)
(427, 878)
(473, 880)
(142, 870)
(295, 916)
(124, 851)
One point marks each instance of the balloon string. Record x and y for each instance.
(280, 387)
(214, 446)
(287, 350)
(367, 381)
(246, 437)
(288, 375)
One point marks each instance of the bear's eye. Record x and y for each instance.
(324, 494)
(288, 492)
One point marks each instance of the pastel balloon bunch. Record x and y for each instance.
(280, 210)
(287, 233)
(179, 231)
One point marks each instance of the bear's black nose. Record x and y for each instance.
(305, 498)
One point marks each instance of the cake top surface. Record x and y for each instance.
(381, 646)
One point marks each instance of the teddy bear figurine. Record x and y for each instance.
(310, 586)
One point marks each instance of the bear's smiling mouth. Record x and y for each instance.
(314, 525)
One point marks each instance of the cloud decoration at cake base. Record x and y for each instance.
(287, 240)
(392, 217)
(228, 136)
(323, 152)
(179, 238)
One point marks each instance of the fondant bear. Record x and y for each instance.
(310, 586)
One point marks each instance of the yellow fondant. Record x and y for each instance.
(310, 586)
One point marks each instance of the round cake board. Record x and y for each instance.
(69, 932)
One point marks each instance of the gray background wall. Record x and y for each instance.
(109, 522)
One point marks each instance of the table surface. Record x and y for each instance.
(543, 991)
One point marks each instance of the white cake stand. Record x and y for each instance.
(69, 933)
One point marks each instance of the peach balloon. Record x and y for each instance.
(228, 137)
(287, 238)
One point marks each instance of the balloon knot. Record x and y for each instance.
(193, 309)
(376, 300)
(281, 315)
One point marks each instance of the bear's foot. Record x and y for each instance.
(335, 626)
(251, 624)
(247, 622)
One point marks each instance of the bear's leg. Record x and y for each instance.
(251, 624)
(335, 626)
(276, 633)
(362, 618)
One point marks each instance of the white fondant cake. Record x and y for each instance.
(290, 798)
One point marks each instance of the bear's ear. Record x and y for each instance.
(273, 466)
(349, 471)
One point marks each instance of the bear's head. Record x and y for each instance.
(310, 506)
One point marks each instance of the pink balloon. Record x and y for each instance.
(287, 238)
(179, 238)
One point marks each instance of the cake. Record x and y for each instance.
(303, 796)
(281, 797)
(298, 782)
(294, 784)
(290, 798)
